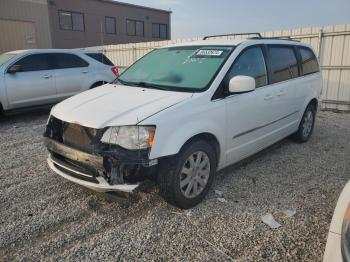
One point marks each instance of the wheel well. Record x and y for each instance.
(209, 138)
(99, 83)
(314, 102)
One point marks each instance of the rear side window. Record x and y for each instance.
(250, 63)
(284, 65)
(100, 58)
(309, 62)
(69, 61)
(35, 62)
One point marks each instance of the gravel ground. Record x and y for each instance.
(45, 217)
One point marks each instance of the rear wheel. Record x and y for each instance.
(186, 178)
(98, 84)
(2, 114)
(306, 125)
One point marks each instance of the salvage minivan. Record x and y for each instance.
(183, 112)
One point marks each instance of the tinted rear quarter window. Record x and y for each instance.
(309, 62)
(100, 58)
(69, 61)
(284, 65)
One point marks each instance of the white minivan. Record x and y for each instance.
(183, 112)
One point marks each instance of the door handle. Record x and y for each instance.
(268, 97)
(85, 72)
(47, 76)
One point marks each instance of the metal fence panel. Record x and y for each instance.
(331, 43)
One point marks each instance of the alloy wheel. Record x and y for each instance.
(195, 174)
(308, 122)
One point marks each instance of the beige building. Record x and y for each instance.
(28, 24)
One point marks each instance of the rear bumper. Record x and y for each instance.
(100, 184)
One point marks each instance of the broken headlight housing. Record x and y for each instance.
(130, 137)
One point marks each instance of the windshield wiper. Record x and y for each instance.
(118, 81)
(149, 85)
(141, 84)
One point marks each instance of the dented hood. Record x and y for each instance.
(114, 105)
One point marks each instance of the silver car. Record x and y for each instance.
(32, 78)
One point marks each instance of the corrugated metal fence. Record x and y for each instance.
(331, 43)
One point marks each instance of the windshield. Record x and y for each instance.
(186, 68)
(5, 57)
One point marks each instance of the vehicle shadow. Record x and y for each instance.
(25, 117)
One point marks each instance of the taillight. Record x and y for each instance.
(115, 70)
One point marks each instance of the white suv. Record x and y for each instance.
(32, 78)
(183, 112)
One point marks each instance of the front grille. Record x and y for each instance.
(79, 137)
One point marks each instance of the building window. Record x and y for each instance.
(71, 21)
(111, 25)
(134, 27)
(159, 31)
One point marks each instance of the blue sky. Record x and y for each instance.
(202, 17)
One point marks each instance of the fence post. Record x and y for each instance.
(320, 36)
(134, 53)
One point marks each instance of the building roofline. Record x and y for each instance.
(133, 5)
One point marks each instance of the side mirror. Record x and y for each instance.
(241, 84)
(14, 69)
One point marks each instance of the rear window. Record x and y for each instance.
(284, 63)
(309, 62)
(100, 58)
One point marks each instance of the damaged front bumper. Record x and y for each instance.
(101, 184)
(59, 161)
(76, 153)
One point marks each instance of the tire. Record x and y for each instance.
(306, 125)
(192, 174)
(97, 84)
(2, 113)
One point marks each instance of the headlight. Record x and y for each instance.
(130, 137)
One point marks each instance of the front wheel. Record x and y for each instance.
(186, 178)
(306, 125)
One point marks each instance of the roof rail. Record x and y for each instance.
(211, 36)
(275, 37)
(257, 37)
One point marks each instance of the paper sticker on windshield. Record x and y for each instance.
(204, 52)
